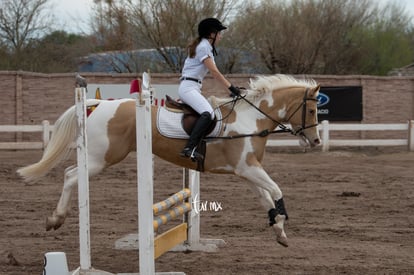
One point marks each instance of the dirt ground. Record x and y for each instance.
(351, 212)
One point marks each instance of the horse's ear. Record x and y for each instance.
(314, 92)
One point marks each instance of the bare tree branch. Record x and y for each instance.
(22, 21)
(169, 26)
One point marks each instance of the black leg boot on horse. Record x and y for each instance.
(198, 132)
(277, 217)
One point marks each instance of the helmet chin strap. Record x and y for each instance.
(212, 44)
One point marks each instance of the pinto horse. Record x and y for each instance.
(269, 102)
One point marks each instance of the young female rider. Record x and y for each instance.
(199, 62)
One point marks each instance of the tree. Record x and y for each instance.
(304, 36)
(27, 41)
(21, 22)
(59, 52)
(166, 26)
(111, 27)
(268, 36)
(113, 36)
(387, 42)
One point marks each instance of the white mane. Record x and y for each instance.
(266, 84)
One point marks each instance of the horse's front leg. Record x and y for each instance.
(59, 214)
(277, 214)
(270, 197)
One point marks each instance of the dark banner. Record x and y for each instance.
(340, 103)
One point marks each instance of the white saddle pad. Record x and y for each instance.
(169, 124)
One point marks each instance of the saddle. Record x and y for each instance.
(190, 116)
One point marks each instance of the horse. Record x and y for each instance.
(268, 104)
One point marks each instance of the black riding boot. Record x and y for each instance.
(198, 132)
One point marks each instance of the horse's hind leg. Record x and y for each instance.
(59, 215)
(70, 180)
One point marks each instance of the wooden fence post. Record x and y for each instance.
(411, 135)
(325, 136)
(46, 132)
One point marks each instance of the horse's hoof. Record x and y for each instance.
(282, 240)
(281, 237)
(52, 223)
(49, 223)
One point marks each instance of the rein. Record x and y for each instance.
(266, 132)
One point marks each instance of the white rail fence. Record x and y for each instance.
(45, 128)
(325, 129)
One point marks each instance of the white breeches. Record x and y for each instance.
(190, 93)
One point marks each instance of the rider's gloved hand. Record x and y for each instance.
(234, 91)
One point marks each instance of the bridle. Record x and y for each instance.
(304, 109)
(283, 128)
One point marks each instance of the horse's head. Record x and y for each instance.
(304, 117)
(284, 99)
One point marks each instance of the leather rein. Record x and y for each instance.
(266, 132)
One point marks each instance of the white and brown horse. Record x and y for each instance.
(269, 102)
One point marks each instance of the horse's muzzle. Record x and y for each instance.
(308, 142)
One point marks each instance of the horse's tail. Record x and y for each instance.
(64, 133)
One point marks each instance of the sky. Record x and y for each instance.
(73, 15)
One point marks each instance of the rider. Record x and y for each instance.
(199, 62)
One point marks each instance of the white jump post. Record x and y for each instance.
(85, 267)
(83, 182)
(145, 181)
(191, 181)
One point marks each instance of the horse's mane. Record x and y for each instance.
(265, 84)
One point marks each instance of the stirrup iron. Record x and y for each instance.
(192, 154)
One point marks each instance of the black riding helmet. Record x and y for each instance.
(209, 25)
